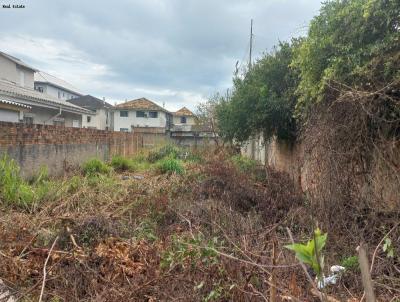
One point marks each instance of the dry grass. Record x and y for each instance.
(206, 235)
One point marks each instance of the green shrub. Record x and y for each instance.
(244, 164)
(163, 152)
(120, 163)
(170, 165)
(94, 167)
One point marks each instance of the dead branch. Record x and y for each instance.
(45, 271)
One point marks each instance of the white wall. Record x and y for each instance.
(8, 70)
(27, 78)
(98, 121)
(132, 120)
(54, 91)
(7, 115)
(11, 72)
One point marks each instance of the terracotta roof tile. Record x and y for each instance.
(184, 112)
(141, 103)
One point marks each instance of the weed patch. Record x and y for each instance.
(170, 165)
(94, 167)
(120, 163)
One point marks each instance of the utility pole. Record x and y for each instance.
(253, 139)
(251, 42)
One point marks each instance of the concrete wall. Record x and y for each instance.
(132, 120)
(321, 174)
(59, 148)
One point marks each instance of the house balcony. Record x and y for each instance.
(183, 128)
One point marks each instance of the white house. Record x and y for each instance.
(141, 115)
(102, 110)
(183, 119)
(17, 91)
(51, 85)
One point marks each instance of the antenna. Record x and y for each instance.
(251, 42)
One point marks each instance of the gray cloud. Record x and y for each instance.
(173, 51)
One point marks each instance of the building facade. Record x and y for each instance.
(100, 108)
(51, 85)
(141, 115)
(17, 88)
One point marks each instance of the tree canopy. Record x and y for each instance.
(264, 99)
(351, 42)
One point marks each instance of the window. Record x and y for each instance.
(63, 94)
(39, 88)
(123, 113)
(140, 114)
(123, 129)
(59, 94)
(183, 119)
(88, 118)
(153, 114)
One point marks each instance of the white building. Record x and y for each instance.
(101, 109)
(183, 120)
(17, 92)
(141, 115)
(46, 83)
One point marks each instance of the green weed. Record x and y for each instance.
(120, 163)
(170, 165)
(16, 191)
(243, 164)
(95, 167)
(163, 152)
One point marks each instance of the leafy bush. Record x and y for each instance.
(94, 167)
(170, 165)
(120, 163)
(243, 164)
(165, 151)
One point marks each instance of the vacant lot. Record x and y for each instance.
(175, 225)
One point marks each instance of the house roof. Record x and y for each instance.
(12, 103)
(141, 103)
(184, 112)
(17, 61)
(45, 78)
(33, 97)
(89, 102)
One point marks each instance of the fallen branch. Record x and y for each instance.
(44, 269)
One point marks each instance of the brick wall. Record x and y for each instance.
(58, 148)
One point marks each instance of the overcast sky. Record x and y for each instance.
(173, 51)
